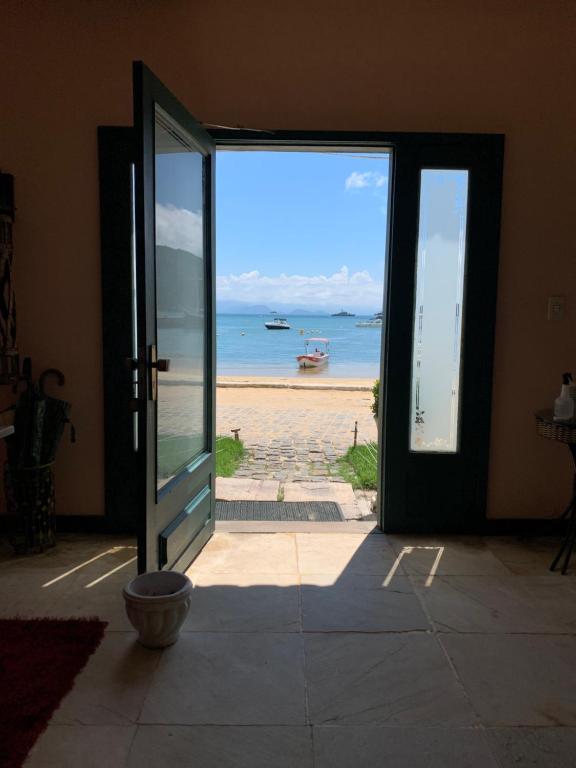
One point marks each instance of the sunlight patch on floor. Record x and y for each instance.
(408, 551)
(111, 551)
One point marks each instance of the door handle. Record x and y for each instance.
(156, 365)
(162, 365)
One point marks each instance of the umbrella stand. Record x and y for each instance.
(30, 497)
(29, 477)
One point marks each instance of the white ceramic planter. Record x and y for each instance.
(157, 604)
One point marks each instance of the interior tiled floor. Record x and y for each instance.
(327, 650)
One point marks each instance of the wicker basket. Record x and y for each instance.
(561, 431)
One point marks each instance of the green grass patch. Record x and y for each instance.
(175, 451)
(229, 454)
(360, 466)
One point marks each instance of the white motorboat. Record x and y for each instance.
(317, 358)
(374, 322)
(278, 324)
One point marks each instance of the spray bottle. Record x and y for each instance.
(564, 404)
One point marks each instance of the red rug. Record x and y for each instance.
(39, 659)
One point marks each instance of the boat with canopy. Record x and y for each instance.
(317, 357)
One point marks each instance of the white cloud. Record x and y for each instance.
(179, 228)
(358, 289)
(368, 179)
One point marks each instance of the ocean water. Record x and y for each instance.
(246, 348)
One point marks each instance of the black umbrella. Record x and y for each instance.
(38, 424)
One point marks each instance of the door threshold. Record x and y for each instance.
(276, 526)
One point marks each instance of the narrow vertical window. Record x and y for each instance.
(440, 268)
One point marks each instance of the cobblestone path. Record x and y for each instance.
(295, 445)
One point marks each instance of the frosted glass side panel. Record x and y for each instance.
(436, 354)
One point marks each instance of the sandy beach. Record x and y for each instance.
(266, 406)
(305, 381)
(269, 395)
(274, 408)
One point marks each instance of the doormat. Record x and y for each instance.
(39, 659)
(280, 511)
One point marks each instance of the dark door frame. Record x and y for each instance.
(116, 151)
(407, 150)
(443, 492)
(406, 501)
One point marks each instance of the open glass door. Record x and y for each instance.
(173, 211)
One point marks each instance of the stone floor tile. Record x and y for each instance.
(240, 553)
(229, 679)
(91, 591)
(525, 556)
(336, 553)
(240, 489)
(533, 747)
(111, 688)
(383, 679)
(515, 680)
(461, 556)
(72, 549)
(244, 603)
(221, 747)
(77, 578)
(340, 493)
(360, 603)
(489, 604)
(377, 746)
(91, 746)
(556, 598)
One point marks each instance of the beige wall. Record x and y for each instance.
(417, 65)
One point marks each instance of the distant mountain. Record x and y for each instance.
(227, 307)
(240, 308)
(231, 307)
(299, 312)
(179, 281)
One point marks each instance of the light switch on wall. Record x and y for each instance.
(555, 307)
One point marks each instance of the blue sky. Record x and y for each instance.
(301, 228)
(293, 229)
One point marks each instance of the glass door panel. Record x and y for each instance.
(174, 169)
(180, 298)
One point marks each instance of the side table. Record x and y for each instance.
(562, 432)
